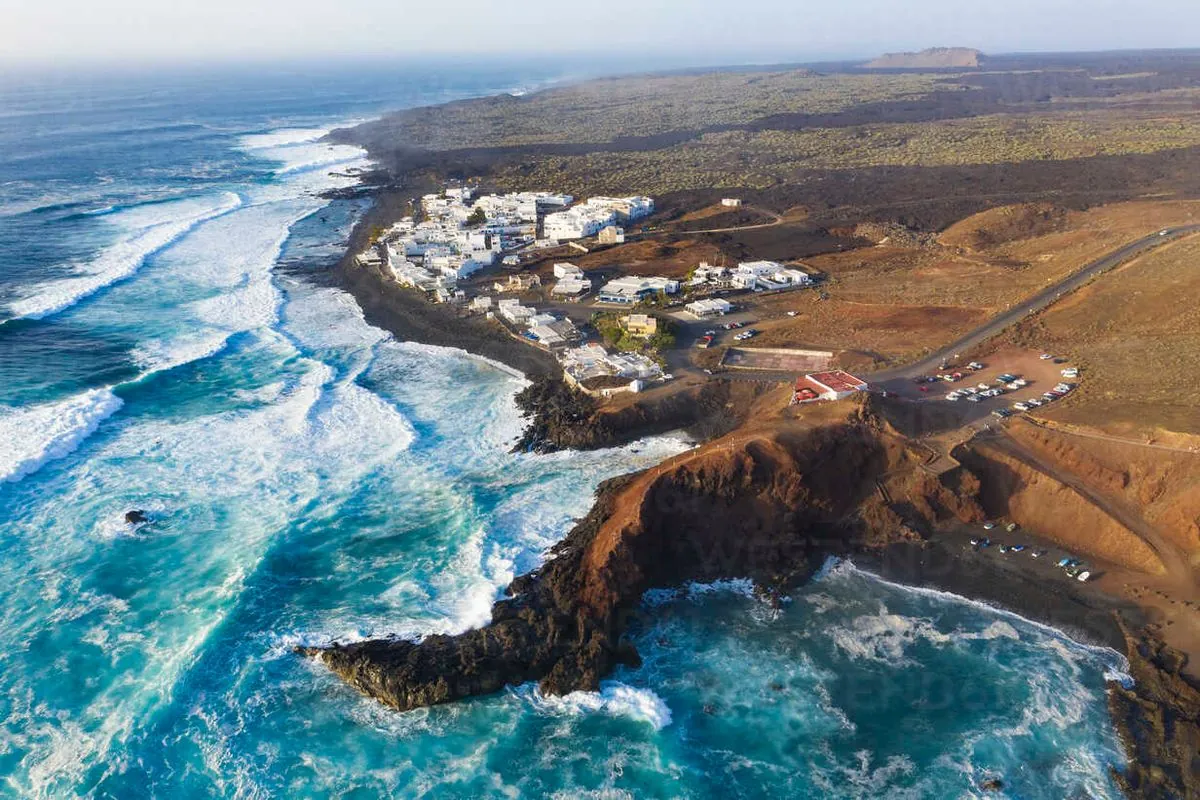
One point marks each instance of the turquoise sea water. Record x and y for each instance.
(310, 479)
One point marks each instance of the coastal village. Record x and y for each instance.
(613, 331)
(921, 369)
(475, 252)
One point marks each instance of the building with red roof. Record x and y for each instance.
(832, 385)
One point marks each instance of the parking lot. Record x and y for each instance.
(1010, 381)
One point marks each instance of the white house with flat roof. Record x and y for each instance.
(768, 275)
(709, 307)
(572, 287)
(632, 289)
(562, 270)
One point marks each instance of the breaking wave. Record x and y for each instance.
(614, 698)
(33, 436)
(115, 263)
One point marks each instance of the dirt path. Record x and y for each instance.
(1108, 438)
(1174, 561)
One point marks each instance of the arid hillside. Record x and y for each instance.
(903, 297)
(1136, 334)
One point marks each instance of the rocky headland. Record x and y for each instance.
(770, 495)
(772, 500)
(770, 504)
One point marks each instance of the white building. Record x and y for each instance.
(768, 275)
(707, 274)
(833, 385)
(594, 215)
(481, 303)
(564, 270)
(632, 289)
(625, 208)
(512, 310)
(555, 334)
(576, 223)
(593, 361)
(572, 287)
(709, 307)
(731, 202)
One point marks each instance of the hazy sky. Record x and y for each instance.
(696, 31)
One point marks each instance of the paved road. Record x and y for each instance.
(996, 325)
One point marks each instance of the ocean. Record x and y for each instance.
(309, 478)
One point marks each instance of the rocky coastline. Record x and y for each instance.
(752, 505)
(759, 508)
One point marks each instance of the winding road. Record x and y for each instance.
(1039, 301)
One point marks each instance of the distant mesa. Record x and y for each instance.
(933, 58)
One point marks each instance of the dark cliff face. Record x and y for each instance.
(1159, 722)
(769, 507)
(561, 418)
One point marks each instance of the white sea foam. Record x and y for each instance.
(115, 263)
(352, 413)
(251, 306)
(885, 636)
(846, 569)
(282, 138)
(159, 355)
(34, 435)
(303, 155)
(614, 698)
(698, 592)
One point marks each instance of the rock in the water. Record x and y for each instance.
(992, 785)
(136, 517)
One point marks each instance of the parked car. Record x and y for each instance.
(1020, 407)
(1045, 356)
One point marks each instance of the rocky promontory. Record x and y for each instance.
(770, 504)
(559, 417)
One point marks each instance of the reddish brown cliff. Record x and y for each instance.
(770, 504)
